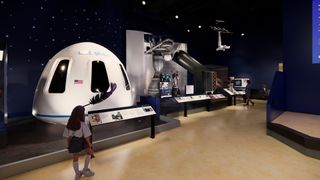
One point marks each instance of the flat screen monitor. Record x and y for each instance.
(237, 83)
(240, 82)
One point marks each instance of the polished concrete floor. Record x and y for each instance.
(229, 143)
(305, 123)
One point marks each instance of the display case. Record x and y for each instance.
(102, 117)
(209, 99)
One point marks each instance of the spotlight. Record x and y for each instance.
(176, 16)
(144, 3)
(188, 30)
(62, 68)
(199, 26)
(34, 112)
(242, 34)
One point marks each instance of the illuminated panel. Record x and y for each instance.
(1, 55)
(316, 31)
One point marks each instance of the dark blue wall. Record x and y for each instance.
(302, 84)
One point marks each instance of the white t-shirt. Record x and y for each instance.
(82, 131)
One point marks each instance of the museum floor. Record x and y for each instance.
(229, 143)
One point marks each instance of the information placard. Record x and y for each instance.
(228, 91)
(189, 89)
(120, 115)
(184, 99)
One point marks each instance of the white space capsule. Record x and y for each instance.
(76, 74)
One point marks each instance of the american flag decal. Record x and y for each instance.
(78, 81)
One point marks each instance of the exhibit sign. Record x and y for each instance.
(316, 31)
(183, 99)
(189, 89)
(84, 78)
(120, 115)
(216, 96)
(228, 91)
(165, 90)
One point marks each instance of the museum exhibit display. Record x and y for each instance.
(220, 30)
(102, 117)
(208, 99)
(142, 68)
(90, 75)
(236, 88)
(162, 52)
(203, 78)
(76, 74)
(165, 64)
(165, 89)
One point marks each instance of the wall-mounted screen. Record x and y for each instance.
(316, 31)
(240, 82)
(237, 82)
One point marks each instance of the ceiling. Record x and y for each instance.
(206, 12)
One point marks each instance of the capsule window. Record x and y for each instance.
(99, 77)
(58, 82)
(126, 81)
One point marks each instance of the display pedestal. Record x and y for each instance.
(153, 101)
(104, 136)
(207, 98)
(103, 117)
(233, 95)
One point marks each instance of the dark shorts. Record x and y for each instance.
(77, 144)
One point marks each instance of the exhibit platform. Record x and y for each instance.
(298, 130)
(37, 144)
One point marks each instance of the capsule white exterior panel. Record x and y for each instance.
(56, 107)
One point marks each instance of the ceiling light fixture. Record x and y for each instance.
(199, 26)
(242, 34)
(176, 16)
(144, 3)
(188, 30)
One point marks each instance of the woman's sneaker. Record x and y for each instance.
(78, 175)
(87, 172)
